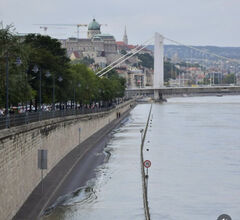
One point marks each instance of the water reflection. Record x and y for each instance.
(195, 158)
(116, 193)
(194, 147)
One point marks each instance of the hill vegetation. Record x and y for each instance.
(19, 57)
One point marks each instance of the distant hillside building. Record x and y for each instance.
(100, 47)
(123, 45)
(125, 38)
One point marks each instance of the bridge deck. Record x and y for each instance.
(185, 90)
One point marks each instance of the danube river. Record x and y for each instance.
(194, 147)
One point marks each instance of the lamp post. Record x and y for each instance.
(60, 79)
(48, 74)
(74, 95)
(35, 70)
(141, 131)
(79, 86)
(18, 63)
(6, 110)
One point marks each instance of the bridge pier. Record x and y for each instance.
(158, 62)
(158, 66)
(156, 94)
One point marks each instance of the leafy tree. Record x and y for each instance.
(118, 82)
(85, 60)
(170, 71)
(79, 82)
(85, 82)
(48, 55)
(123, 52)
(229, 79)
(12, 49)
(146, 60)
(91, 88)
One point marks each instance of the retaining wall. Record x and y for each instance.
(19, 146)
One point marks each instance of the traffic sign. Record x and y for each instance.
(224, 217)
(147, 163)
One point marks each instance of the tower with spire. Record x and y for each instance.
(125, 38)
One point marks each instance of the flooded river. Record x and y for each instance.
(194, 147)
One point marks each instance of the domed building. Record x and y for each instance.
(93, 28)
(100, 47)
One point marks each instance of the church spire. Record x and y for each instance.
(125, 38)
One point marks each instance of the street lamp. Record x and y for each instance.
(141, 131)
(74, 94)
(79, 86)
(35, 70)
(6, 110)
(48, 74)
(60, 79)
(18, 63)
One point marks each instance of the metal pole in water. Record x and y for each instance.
(146, 164)
(147, 182)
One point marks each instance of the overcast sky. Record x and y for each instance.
(192, 22)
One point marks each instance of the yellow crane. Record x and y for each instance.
(45, 26)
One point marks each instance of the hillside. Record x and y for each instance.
(183, 52)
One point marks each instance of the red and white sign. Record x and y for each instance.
(147, 163)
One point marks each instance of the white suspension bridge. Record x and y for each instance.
(158, 89)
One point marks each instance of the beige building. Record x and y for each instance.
(104, 49)
(100, 47)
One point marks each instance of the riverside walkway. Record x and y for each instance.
(72, 172)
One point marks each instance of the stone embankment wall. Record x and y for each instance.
(19, 146)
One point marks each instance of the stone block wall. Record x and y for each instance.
(19, 146)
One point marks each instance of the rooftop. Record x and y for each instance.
(94, 25)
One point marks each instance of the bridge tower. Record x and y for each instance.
(158, 65)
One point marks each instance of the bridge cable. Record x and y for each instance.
(126, 55)
(102, 74)
(203, 51)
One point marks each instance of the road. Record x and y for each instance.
(72, 172)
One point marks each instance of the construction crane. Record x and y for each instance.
(44, 29)
(76, 25)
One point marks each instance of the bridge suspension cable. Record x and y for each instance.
(128, 53)
(124, 58)
(203, 51)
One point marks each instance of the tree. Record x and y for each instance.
(146, 60)
(12, 49)
(170, 71)
(119, 83)
(79, 82)
(229, 79)
(48, 55)
(85, 60)
(123, 52)
(85, 82)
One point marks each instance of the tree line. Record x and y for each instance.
(39, 69)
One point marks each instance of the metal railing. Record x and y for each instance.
(144, 177)
(17, 119)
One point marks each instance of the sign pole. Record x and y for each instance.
(42, 162)
(147, 181)
(79, 132)
(147, 164)
(42, 179)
